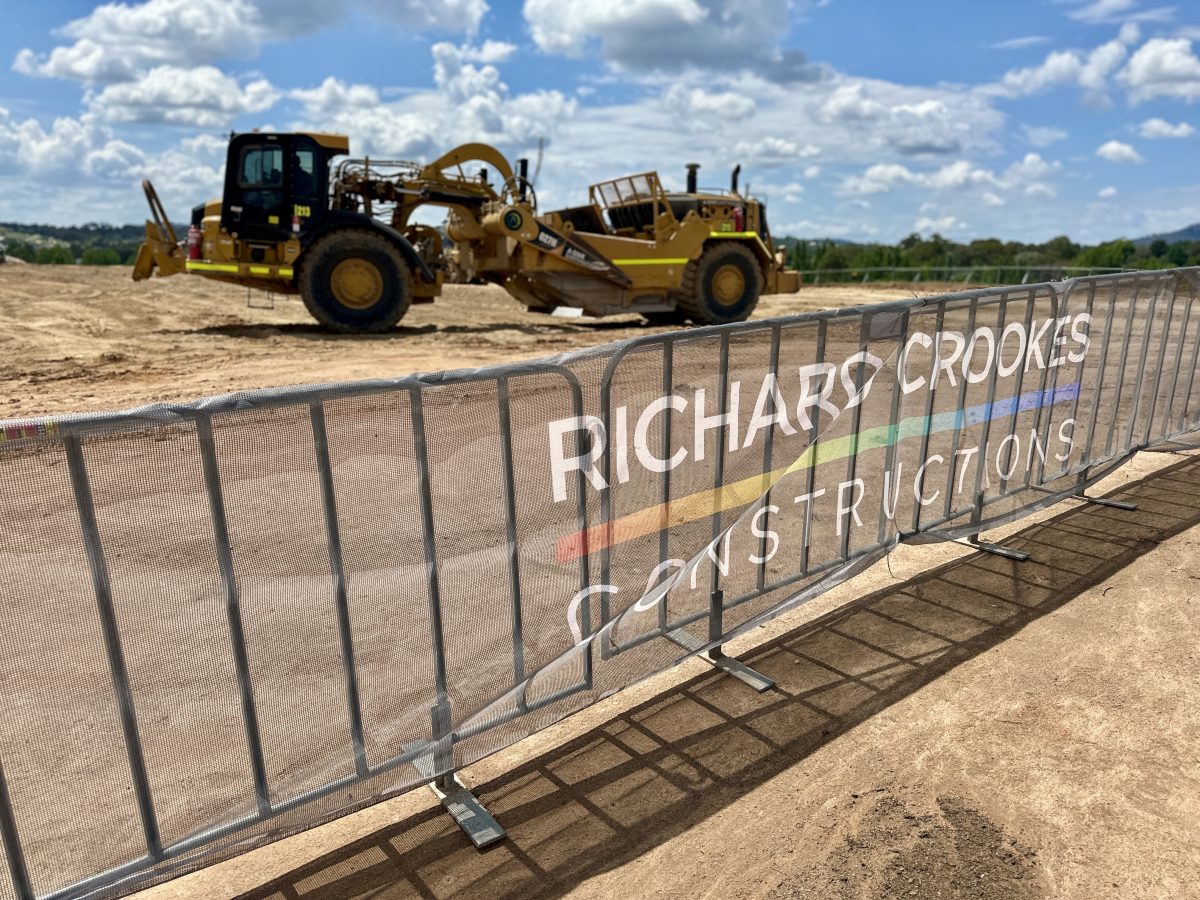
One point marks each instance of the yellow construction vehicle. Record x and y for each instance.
(342, 236)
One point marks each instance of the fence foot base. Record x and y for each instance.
(1104, 501)
(727, 664)
(467, 812)
(1098, 501)
(464, 807)
(994, 549)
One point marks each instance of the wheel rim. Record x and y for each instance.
(356, 283)
(728, 285)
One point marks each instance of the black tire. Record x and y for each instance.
(355, 281)
(726, 283)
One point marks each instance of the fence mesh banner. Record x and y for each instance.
(227, 621)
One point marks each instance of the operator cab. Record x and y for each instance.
(276, 184)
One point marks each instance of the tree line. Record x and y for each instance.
(937, 252)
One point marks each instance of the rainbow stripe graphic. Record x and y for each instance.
(701, 505)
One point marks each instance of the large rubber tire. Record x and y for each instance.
(726, 283)
(355, 281)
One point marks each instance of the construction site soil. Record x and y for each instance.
(946, 725)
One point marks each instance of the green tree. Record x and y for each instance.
(1113, 255)
(55, 256)
(22, 250)
(101, 256)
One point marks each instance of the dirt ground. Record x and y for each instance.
(946, 725)
(76, 338)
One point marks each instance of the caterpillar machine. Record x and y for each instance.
(340, 233)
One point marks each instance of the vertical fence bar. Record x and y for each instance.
(986, 431)
(337, 569)
(1162, 357)
(864, 341)
(233, 612)
(664, 533)
(1112, 426)
(1168, 422)
(930, 395)
(894, 436)
(17, 869)
(1104, 344)
(442, 722)
(510, 532)
(768, 461)
(118, 671)
(1046, 401)
(960, 402)
(1002, 488)
(1091, 303)
(581, 513)
(1191, 372)
(717, 607)
(1147, 329)
(811, 451)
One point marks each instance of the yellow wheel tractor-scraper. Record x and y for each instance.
(341, 235)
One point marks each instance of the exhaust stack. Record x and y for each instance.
(733, 186)
(692, 169)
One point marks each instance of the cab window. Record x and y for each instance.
(261, 167)
(306, 173)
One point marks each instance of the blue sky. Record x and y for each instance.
(862, 120)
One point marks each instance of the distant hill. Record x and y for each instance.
(1191, 233)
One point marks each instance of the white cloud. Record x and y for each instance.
(119, 41)
(1153, 129)
(1127, 11)
(1163, 67)
(1089, 71)
(1107, 192)
(670, 35)
(469, 103)
(1043, 135)
(1020, 42)
(455, 16)
(693, 103)
(116, 40)
(850, 101)
(774, 151)
(811, 172)
(1117, 152)
(1028, 175)
(990, 199)
(203, 96)
(926, 224)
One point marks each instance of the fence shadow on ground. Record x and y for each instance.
(659, 769)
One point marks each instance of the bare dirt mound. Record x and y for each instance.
(893, 847)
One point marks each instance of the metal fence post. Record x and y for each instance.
(233, 612)
(12, 844)
(118, 671)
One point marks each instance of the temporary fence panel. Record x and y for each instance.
(227, 621)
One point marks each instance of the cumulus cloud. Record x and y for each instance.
(670, 35)
(928, 225)
(1153, 129)
(121, 41)
(1118, 152)
(203, 96)
(470, 102)
(116, 41)
(1089, 71)
(1107, 192)
(1163, 67)
(1028, 175)
(1043, 135)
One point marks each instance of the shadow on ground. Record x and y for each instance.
(659, 769)
(315, 331)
